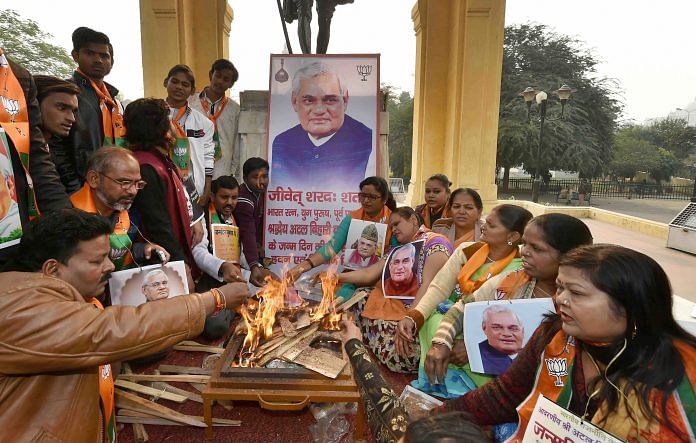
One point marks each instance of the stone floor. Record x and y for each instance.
(679, 266)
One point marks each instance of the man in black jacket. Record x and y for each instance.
(45, 193)
(100, 115)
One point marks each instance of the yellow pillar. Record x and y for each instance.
(193, 32)
(459, 53)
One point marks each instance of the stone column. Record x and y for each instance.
(459, 52)
(193, 32)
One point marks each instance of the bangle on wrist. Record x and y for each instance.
(220, 301)
(311, 265)
(415, 325)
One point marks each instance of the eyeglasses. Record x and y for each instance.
(365, 196)
(127, 184)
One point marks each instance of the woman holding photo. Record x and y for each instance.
(628, 367)
(380, 315)
(376, 205)
(546, 238)
(470, 266)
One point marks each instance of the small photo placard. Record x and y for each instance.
(496, 331)
(364, 245)
(134, 287)
(400, 275)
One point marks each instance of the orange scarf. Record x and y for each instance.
(106, 392)
(112, 119)
(14, 119)
(469, 236)
(475, 262)
(120, 254)
(214, 117)
(554, 381)
(382, 217)
(511, 283)
(426, 213)
(181, 155)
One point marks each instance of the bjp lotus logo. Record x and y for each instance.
(11, 106)
(558, 367)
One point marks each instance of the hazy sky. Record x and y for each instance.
(641, 44)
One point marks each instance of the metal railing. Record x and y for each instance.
(602, 188)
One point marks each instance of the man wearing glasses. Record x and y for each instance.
(112, 182)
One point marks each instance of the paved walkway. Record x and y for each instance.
(679, 266)
(662, 211)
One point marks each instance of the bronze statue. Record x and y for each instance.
(301, 10)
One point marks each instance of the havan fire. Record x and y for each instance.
(280, 304)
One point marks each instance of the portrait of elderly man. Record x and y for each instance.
(328, 149)
(10, 228)
(402, 281)
(365, 250)
(156, 285)
(504, 339)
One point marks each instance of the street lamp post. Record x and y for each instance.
(688, 119)
(541, 97)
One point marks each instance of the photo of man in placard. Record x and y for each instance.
(504, 338)
(399, 279)
(136, 286)
(156, 285)
(495, 332)
(10, 225)
(328, 149)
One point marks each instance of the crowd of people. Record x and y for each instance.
(101, 188)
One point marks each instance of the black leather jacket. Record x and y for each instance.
(87, 135)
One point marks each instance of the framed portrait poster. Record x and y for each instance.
(323, 132)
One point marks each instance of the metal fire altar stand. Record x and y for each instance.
(278, 389)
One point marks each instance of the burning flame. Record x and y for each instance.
(272, 299)
(329, 280)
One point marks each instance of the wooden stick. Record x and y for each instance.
(173, 369)
(190, 343)
(147, 390)
(292, 341)
(198, 386)
(351, 301)
(135, 416)
(227, 404)
(127, 400)
(189, 395)
(139, 433)
(200, 348)
(166, 377)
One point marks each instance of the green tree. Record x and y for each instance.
(632, 153)
(535, 56)
(674, 135)
(400, 132)
(28, 45)
(667, 164)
